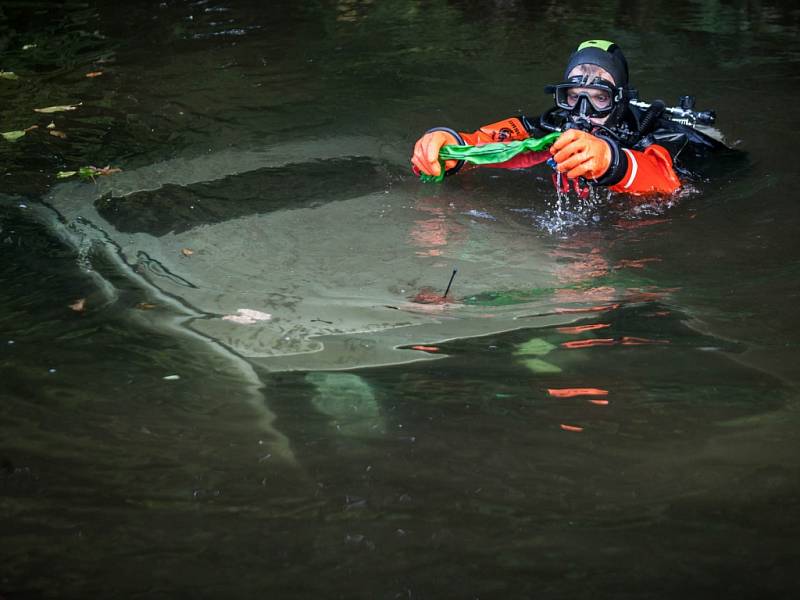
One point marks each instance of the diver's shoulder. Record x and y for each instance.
(704, 139)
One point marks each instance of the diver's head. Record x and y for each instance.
(595, 79)
(603, 54)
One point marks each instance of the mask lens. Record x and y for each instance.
(599, 95)
(600, 99)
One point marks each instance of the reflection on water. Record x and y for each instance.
(430, 234)
(608, 408)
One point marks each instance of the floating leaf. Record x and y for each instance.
(59, 108)
(91, 172)
(79, 305)
(13, 136)
(94, 74)
(51, 125)
(8, 75)
(29, 46)
(58, 134)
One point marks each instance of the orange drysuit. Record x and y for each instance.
(645, 171)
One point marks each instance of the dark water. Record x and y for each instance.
(451, 478)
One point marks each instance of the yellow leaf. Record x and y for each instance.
(8, 75)
(65, 174)
(60, 108)
(58, 134)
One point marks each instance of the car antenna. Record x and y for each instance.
(453, 276)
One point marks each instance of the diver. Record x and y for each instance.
(609, 139)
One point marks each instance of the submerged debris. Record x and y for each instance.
(349, 401)
(428, 296)
(79, 305)
(247, 316)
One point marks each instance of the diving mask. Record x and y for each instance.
(586, 97)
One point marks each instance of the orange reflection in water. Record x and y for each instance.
(567, 311)
(589, 343)
(639, 223)
(582, 328)
(579, 262)
(431, 235)
(574, 428)
(637, 341)
(639, 263)
(572, 392)
(594, 295)
(426, 348)
(623, 341)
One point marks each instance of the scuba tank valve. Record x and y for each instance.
(684, 114)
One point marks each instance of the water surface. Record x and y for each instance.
(373, 469)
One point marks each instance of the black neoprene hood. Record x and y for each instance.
(606, 55)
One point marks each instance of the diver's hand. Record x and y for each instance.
(581, 154)
(426, 152)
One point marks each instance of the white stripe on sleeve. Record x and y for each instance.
(634, 168)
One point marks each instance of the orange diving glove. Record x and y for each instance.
(426, 152)
(581, 154)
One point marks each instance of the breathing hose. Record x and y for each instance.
(654, 112)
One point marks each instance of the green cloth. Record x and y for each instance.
(488, 154)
